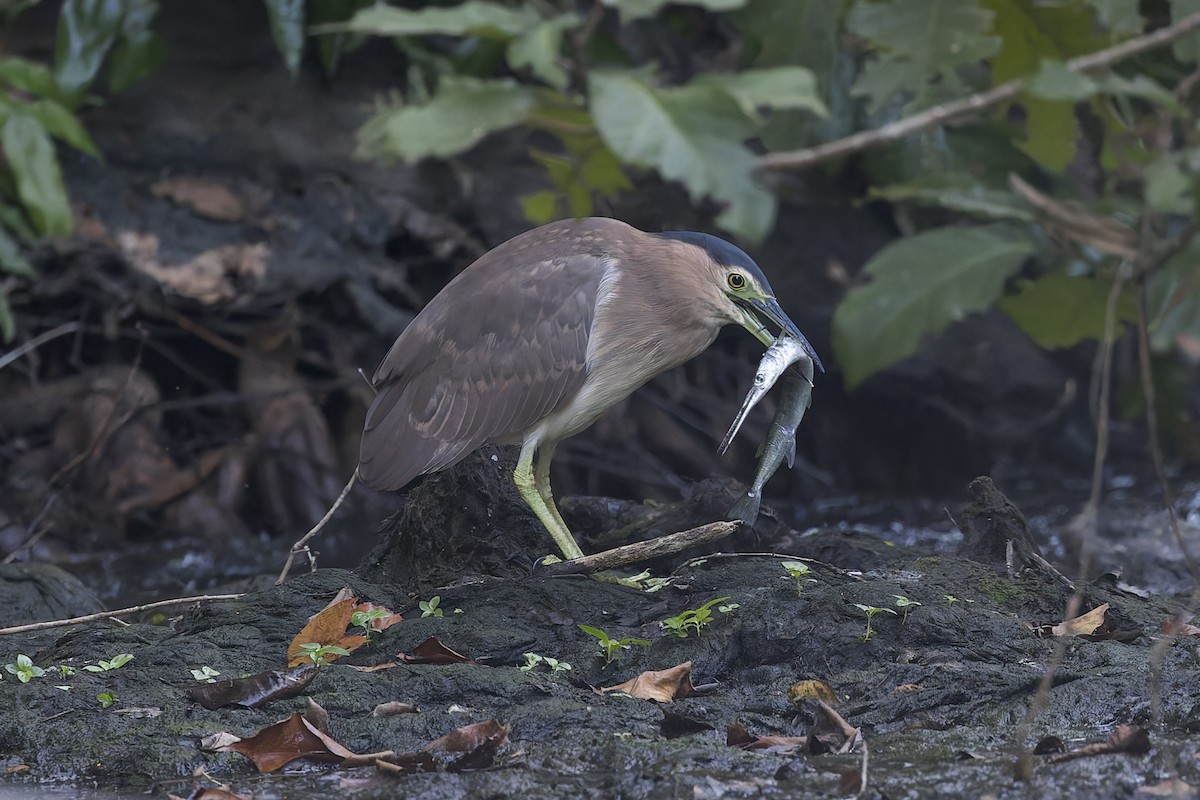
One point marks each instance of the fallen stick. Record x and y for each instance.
(640, 551)
(120, 612)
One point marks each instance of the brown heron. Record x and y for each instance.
(537, 338)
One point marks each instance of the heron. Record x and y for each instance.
(543, 334)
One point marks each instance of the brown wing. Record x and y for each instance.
(499, 348)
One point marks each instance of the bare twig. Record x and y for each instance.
(120, 612)
(941, 114)
(301, 544)
(642, 551)
(38, 341)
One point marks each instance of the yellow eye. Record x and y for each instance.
(736, 281)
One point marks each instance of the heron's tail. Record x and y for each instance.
(746, 508)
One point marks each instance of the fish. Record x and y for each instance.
(782, 353)
(780, 443)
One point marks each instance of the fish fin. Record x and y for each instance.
(791, 454)
(745, 510)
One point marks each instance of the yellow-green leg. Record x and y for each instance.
(534, 487)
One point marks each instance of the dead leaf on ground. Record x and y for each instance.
(327, 627)
(1049, 745)
(215, 741)
(1172, 789)
(213, 276)
(737, 736)
(468, 738)
(908, 687)
(1088, 624)
(831, 732)
(206, 197)
(432, 651)
(1169, 626)
(295, 737)
(406, 763)
(394, 708)
(254, 690)
(812, 688)
(1132, 739)
(212, 794)
(662, 686)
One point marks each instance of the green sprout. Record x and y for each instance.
(205, 674)
(906, 605)
(611, 649)
(322, 654)
(24, 669)
(871, 611)
(533, 659)
(692, 619)
(429, 608)
(107, 699)
(116, 662)
(799, 572)
(63, 669)
(363, 619)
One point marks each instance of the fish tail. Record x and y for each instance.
(746, 508)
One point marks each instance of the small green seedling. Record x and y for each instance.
(363, 619)
(692, 620)
(727, 607)
(799, 572)
(429, 608)
(107, 699)
(321, 654)
(117, 661)
(871, 611)
(24, 669)
(611, 649)
(533, 659)
(63, 670)
(905, 605)
(205, 674)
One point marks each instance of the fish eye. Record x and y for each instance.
(736, 281)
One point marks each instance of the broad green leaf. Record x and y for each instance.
(287, 29)
(692, 134)
(958, 192)
(28, 76)
(62, 124)
(922, 284)
(1173, 300)
(139, 51)
(1168, 188)
(475, 17)
(1031, 34)
(8, 328)
(34, 165)
(640, 9)
(540, 207)
(773, 87)
(921, 45)
(602, 171)
(11, 259)
(1056, 81)
(540, 49)
(461, 113)
(1119, 17)
(1186, 49)
(86, 31)
(1060, 310)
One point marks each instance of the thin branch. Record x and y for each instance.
(38, 341)
(301, 544)
(120, 612)
(966, 106)
(641, 551)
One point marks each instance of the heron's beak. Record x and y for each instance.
(769, 308)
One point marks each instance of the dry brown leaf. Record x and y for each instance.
(374, 668)
(393, 708)
(255, 690)
(469, 738)
(207, 198)
(327, 627)
(1083, 625)
(811, 688)
(210, 277)
(1182, 629)
(908, 687)
(215, 794)
(432, 651)
(662, 686)
(1133, 739)
(1172, 789)
(737, 736)
(284, 742)
(831, 731)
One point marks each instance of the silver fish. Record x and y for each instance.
(782, 353)
(781, 438)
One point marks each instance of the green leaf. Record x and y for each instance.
(139, 51)
(1143, 87)
(1173, 300)
(461, 113)
(1186, 49)
(1120, 17)
(287, 29)
(1060, 310)
(957, 192)
(540, 207)
(475, 18)
(86, 31)
(34, 164)
(1056, 81)
(11, 259)
(62, 124)
(640, 9)
(8, 326)
(922, 284)
(28, 76)
(692, 134)
(774, 88)
(921, 46)
(1168, 188)
(540, 48)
